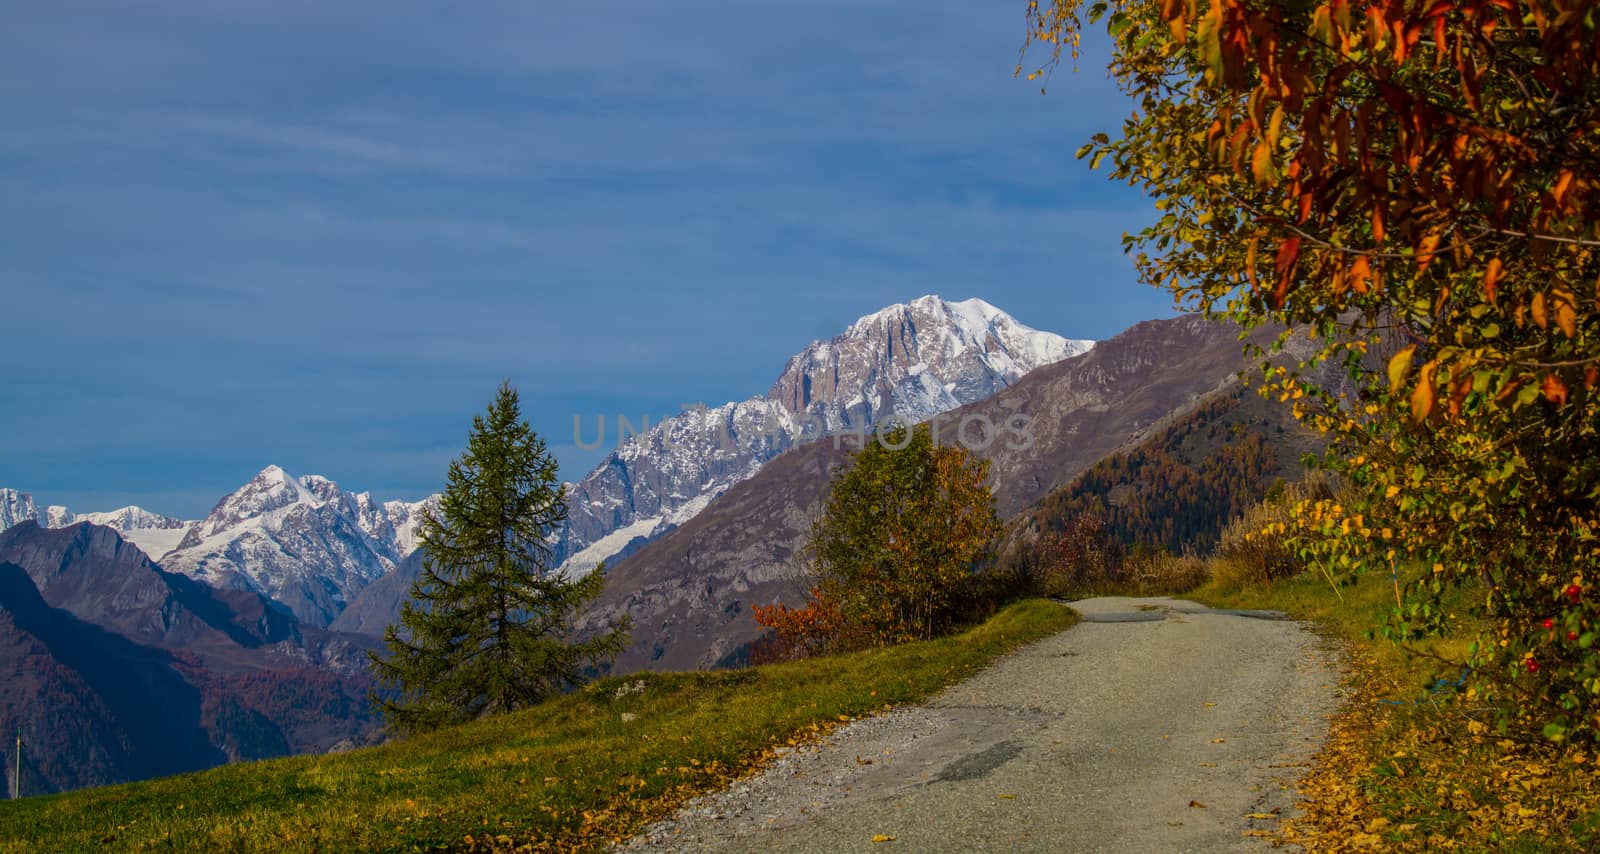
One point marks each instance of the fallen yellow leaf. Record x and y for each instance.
(883, 838)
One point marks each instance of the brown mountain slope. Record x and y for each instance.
(377, 606)
(690, 592)
(93, 706)
(118, 670)
(90, 571)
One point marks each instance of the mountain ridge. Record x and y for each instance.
(347, 539)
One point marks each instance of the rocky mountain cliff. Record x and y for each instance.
(690, 592)
(16, 508)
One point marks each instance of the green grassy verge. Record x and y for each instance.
(1351, 611)
(1409, 769)
(572, 774)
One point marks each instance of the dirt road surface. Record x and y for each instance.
(1153, 725)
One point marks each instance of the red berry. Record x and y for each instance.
(1572, 635)
(1574, 591)
(1533, 666)
(1549, 623)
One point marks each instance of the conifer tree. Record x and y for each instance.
(488, 628)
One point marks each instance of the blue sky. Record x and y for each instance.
(317, 234)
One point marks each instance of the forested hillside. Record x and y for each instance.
(1178, 488)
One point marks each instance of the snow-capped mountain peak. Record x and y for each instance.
(303, 541)
(320, 487)
(271, 490)
(406, 517)
(131, 518)
(915, 360)
(909, 361)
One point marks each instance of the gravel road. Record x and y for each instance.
(1154, 725)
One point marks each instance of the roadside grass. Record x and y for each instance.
(1409, 768)
(572, 774)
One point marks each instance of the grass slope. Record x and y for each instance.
(574, 773)
(1413, 769)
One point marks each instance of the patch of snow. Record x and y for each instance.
(585, 561)
(155, 542)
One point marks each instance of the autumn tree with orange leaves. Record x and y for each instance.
(895, 553)
(1414, 186)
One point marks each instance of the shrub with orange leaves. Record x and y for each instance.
(797, 633)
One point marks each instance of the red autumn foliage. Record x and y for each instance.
(796, 632)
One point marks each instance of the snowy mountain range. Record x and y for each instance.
(154, 534)
(312, 546)
(907, 362)
(304, 542)
(689, 592)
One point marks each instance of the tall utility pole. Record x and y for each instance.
(16, 773)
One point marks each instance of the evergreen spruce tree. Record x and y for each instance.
(488, 628)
